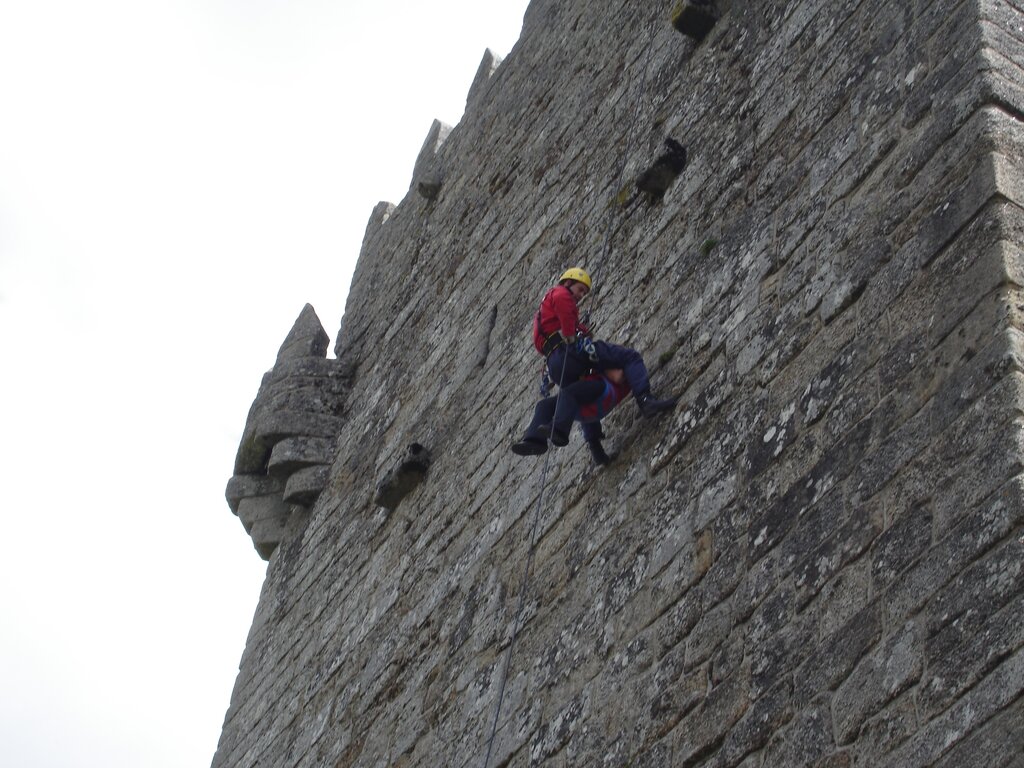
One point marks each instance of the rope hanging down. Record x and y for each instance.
(522, 589)
(544, 472)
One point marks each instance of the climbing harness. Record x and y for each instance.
(592, 353)
(551, 343)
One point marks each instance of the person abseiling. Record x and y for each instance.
(564, 341)
(571, 353)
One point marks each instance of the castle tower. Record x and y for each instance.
(816, 560)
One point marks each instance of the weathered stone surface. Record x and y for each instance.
(836, 655)
(428, 174)
(806, 740)
(488, 66)
(880, 677)
(266, 532)
(307, 338)
(257, 509)
(999, 743)
(814, 560)
(243, 486)
(295, 453)
(305, 484)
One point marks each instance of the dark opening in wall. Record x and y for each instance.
(695, 18)
(655, 181)
(403, 477)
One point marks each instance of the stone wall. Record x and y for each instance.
(817, 559)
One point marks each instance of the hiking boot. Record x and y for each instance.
(559, 438)
(529, 446)
(651, 406)
(601, 458)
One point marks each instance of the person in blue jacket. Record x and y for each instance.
(587, 401)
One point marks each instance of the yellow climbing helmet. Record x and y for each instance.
(577, 274)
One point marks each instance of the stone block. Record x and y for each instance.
(679, 620)
(267, 533)
(980, 590)
(709, 634)
(295, 453)
(305, 485)
(767, 716)
(256, 509)
(976, 532)
(280, 424)
(785, 649)
(839, 548)
(835, 656)
(885, 731)
(995, 692)
(999, 743)
(879, 678)
(555, 733)
(806, 740)
(428, 170)
(485, 71)
(965, 651)
(667, 696)
(705, 728)
(904, 542)
(244, 486)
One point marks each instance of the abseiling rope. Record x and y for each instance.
(547, 457)
(523, 586)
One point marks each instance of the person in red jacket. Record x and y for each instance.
(570, 352)
(558, 318)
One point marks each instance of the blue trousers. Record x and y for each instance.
(560, 411)
(608, 356)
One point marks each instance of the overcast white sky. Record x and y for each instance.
(177, 178)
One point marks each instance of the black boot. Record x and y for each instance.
(601, 458)
(559, 438)
(530, 446)
(651, 406)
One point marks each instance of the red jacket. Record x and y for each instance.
(558, 312)
(612, 396)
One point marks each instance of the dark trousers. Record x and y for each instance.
(559, 411)
(608, 356)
